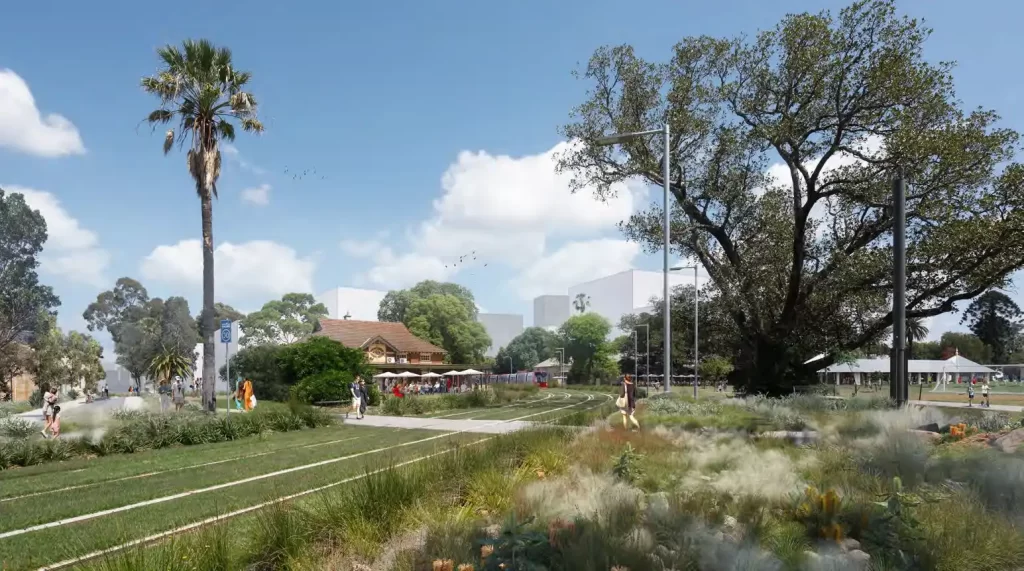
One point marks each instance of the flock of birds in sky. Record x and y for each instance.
(301, 175)
(462, 259)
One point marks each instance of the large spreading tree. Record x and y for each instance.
(838, 105)
(201, 90)
(532, 346)
(288, 320)
(440, 312)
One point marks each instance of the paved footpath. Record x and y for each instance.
(445, 424)
(997, 407)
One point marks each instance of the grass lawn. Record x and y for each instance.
(165, 481)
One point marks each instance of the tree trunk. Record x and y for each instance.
(766, 367)
(209, 348)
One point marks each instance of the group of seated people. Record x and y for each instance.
(428, 388)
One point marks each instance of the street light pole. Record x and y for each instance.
(561, 363)
(696, 325)
(647, 349)
(615, 139)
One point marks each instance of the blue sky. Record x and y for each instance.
(429, 125)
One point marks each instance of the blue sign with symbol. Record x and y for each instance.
(225, 331)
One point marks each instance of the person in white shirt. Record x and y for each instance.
(984, 395)
(49, 399)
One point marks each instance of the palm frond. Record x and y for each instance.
(160, 116)
(226, 130)
(252, 125)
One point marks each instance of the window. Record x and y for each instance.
(424, 357)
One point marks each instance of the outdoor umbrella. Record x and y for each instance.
(406, 375)
(470, 372)
(431, 375)
(452, 374)
(386, 375)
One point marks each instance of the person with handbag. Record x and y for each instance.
(627, 403)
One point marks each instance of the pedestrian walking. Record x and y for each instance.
(970, 395)
(364, 398)
(357, 397)
(627, 403)
(178, 394)
(49, 399)
(55, 425)
(984, 395)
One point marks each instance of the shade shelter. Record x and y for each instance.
(956, 368)
(471, 372)
(407, 375)
(452, 374)
(385, 375)
(430, 375)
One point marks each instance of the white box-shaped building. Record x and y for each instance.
(625, 293)
(359, 304)
(550, 311)
(502, 328)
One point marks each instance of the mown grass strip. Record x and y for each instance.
(53, 544)
(22, 516)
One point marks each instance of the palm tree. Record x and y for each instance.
(581, 302)
(916, 331)
(169, 363)
(200, 89)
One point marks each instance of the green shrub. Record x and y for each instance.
(16, 427)
(328, 386)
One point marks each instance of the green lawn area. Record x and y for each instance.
(124, 497)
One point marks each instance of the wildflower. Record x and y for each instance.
(486, 551)
(443, 565)
(465, 567)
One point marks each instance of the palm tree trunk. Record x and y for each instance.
(209, 348)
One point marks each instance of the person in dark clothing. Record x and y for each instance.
(364, 399)
(627, 403)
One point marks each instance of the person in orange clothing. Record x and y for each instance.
(247, 395)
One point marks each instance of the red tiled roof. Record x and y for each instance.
(352, 333)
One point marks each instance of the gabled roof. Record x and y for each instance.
(552, 362)
(952, 366)
(352, 333)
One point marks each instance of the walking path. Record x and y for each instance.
(445, 424)
(998, 407)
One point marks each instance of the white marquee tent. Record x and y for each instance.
(919, 370)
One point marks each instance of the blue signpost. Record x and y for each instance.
(225, 338)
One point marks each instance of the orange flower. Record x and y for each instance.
(465, 567)
(486, 551)
(444, 565)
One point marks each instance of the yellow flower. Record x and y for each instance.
(465, 567)
(443, 565)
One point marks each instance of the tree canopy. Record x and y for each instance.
(287, 320)
(444, 314)
(61, 359)
(395, 304)
(25, 304)
(585, 340)
(995, 319)
(840, 104)
(966, 344)
(142, 328)
(220, 311)
(533, 345)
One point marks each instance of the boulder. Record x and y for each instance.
(860, 557)
(933, 427)
(926, 435)
(1010, 441)
(850, 544)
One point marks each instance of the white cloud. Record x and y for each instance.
(574, 263)
(497, 209)
(361, 248)
(23, 128)
(242, 271)
(233, 155)
(258, 195)
(70, 251)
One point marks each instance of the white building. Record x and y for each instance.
(625, 293)
(550, 311)
(358, 304)
(502, 328)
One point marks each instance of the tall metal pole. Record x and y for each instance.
(696, 334)
(647, 356)
(636, 355)
(897, 372)
(668, 219)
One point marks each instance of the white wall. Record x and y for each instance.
(360, 304)
(551, 311)
(502, 328)
(625, 293)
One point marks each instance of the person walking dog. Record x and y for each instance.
(627, 403)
